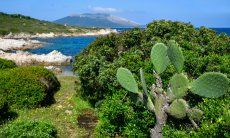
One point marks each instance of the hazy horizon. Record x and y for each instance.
(213, 14)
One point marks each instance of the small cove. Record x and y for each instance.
(69, 46)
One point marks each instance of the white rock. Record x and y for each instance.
(14, 44)
(26, 58)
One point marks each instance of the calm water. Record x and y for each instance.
(66, 45)
(72, 46)
(69, 46)
(222, 30)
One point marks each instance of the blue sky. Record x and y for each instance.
(211, 13)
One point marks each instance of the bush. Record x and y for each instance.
(119, 116)
(7, 64)
(215, 123)
(28, 86)
(96, 66)
(26, 129)
(3, 103)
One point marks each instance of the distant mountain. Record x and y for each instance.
(96, 20)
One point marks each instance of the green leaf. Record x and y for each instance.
(126, 79)
(212, 84)
(159, 57)
(178, 86)
(178, 108)
(176, 56)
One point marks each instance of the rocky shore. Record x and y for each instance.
(22, 41)
(21, 58)
(51, 34)
(18, 44)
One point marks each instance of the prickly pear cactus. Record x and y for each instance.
(175, 55)
(195, 114)
(158, 101)
(212, 84)
(178, 108)
(159, 57)
(127, 80)
(178, 86)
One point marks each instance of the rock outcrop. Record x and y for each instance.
(18, 44)
(53, 58)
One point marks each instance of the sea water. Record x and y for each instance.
(70, 46)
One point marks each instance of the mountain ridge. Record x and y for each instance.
(96, 20)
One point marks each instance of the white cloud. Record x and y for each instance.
(103, 10)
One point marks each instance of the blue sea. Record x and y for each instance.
(72, 46)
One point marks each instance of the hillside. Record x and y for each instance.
(96, 20)
(17, 23)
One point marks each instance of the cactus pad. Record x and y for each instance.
(195, 114)
(212, 84)
(143, 83)
(175, 55)
(178, 108)
(179, 86)
(126, 79)
(159, 57)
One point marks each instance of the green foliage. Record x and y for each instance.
(121, 117)
(126, 79)
(31, 129)
(159, 57)
(3, 103)
(178, 86)
(178, 108)
(215, 122)
(203, 49)
(6, 64)
(211, 85)
(28, 86)
(175, 55)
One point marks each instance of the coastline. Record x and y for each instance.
(22, 41)
(51, 34)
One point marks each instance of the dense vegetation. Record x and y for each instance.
(16, 23)
(169, 102)
(204, 51)
(29, 129)
(28, 86)
(7, 64)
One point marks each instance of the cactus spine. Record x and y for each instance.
(163, 103)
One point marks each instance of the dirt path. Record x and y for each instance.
(71, 115)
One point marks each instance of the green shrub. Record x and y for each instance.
(215, 123)
(32, 129)
(204, 51)
(7, 64)
(28, 86)
(3, 103)
(119, 116)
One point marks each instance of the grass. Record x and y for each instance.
(64, 113)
